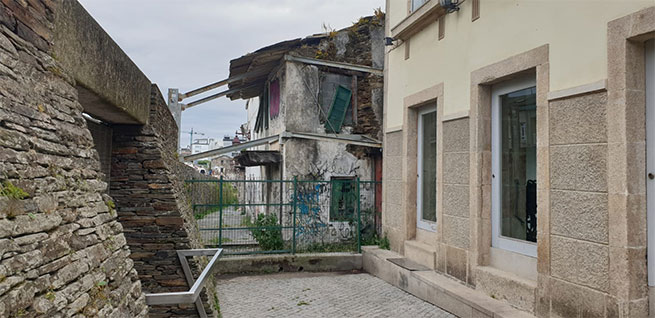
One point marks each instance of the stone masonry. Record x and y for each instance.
(62, 251)
(147, 184)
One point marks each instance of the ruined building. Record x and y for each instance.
(314, 113)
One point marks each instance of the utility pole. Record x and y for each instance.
(191, 133)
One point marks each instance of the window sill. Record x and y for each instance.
(418, 20)
(520, 265)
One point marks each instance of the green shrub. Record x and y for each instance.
(382, 242)
(268, 233)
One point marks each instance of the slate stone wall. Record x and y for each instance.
(62, 251)
(147, 182)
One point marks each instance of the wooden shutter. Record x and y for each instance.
(442, 27)
(338, 110)
(476, 10)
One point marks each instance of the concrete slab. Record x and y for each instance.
(319, 295)
(267, 264)
(435, 288)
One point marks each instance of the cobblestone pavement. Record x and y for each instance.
(319, 295)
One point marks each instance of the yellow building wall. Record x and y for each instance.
(575, 30)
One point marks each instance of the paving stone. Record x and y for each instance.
(319, 295)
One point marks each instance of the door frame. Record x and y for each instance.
(497, 240)
(650, 156)
(420, 223)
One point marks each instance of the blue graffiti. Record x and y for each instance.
(308, 222)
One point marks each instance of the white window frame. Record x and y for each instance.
(650, 157)
(497, 240)
(420, 223)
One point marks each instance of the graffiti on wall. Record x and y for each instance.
(308, 218)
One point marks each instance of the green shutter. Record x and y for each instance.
(338, 109)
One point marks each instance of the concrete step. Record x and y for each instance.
(436, 289)
(421, 253)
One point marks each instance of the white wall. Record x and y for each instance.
(576, 32)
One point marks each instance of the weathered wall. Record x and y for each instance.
(62, 251)
(147, 184)
(82, 47)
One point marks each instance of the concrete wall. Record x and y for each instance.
(62, 250)
(111, 86)
(591, 214)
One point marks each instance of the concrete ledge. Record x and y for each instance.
(421, 253)
(111, 86)
(502, 285)
(435, 288)
(267, 264)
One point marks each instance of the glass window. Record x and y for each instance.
(427, 169)
(519, 164)
(417, 4)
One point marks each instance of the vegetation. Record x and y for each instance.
(230, 197)
(9, 190)
(217, 306)
(223, 241)
(268, 233)
(382, 242)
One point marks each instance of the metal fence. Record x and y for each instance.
(286, 216)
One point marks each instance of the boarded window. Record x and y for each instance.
(262, 113)
(274, 99)
(338, 110)
(343, 199)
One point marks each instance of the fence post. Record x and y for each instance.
(359, 220)
(281, 198)
(295, 196)
(220, 212)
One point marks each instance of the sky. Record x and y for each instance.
(187, 44)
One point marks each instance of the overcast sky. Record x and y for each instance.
(187, 44)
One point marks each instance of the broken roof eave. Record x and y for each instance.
(356, 140)
(258, 158)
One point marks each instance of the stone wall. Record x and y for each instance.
(453, 252)
(62, 251)
(152, 205)
(393, 218)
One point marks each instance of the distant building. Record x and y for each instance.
(185, 151)
(201, 145)
(225, 166)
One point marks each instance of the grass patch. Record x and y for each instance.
(223, 241)
(9, 190)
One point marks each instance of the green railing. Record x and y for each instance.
(286, 216)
